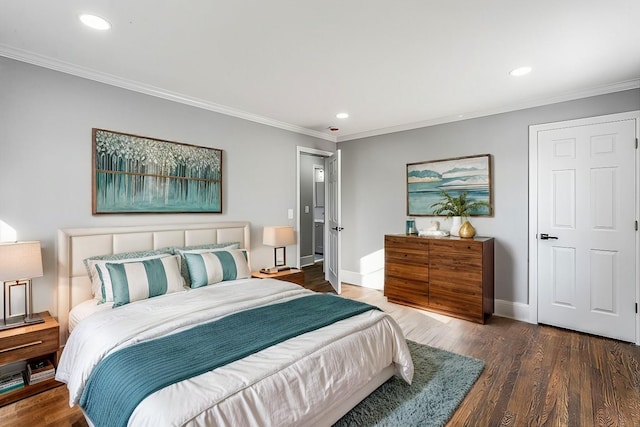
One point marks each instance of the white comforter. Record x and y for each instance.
(288, 384)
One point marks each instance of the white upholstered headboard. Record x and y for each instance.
(76, 244)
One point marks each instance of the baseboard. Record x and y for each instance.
(512, 310)
(374, 280)
(306, 260)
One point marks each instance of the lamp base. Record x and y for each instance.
(19, 321)
(33, 319)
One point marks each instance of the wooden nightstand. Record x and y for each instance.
(294, 276)
(29, 342)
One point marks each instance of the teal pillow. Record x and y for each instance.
(98, 285)
(135, 281)
(207, 268)
(198, 249)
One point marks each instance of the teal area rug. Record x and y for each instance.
(441, 380)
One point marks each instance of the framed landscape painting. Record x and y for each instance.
(427, 180)
(135, 174)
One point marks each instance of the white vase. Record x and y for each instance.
(456, 222)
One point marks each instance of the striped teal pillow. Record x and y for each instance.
(135, 281)
(208, 268)
(101, 283)
(199, 249)
(94, 274)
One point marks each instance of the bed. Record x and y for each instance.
(311, 377)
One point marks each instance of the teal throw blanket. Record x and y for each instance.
(123, 379)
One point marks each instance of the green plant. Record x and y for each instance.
(456, 206)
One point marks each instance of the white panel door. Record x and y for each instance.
(586, 237)
(333, 221)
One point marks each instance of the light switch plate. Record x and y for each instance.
(290, 213)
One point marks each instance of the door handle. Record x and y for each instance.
(545, 236)
(337, 228)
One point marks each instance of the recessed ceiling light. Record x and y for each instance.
(94, 22)
(342, 115)
(521, 71)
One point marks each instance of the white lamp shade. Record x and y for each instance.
(278, 236)
(20, 260)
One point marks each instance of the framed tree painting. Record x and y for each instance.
(426, 182)
(135, 174)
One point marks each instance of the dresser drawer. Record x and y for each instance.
(29, 344)
(460, 304)
(407, 271)
(406, 243)
(406, 291)
(406, 256)
(456, 255)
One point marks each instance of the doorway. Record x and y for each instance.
(332, 226)
(318, 213)
(311, 206)
(583, 229)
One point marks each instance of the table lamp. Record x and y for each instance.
(279, 237)
(19, 263)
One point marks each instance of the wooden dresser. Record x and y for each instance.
(448, 275)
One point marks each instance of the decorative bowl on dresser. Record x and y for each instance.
(448, 275)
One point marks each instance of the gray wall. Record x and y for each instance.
(374, 189)
(45, 159)
(45, 169)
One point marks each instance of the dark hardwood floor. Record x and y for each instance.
(314, 279)
(534, 375)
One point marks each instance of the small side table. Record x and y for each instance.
(30, 342)
(293, 275)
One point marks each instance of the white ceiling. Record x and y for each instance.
(392, 65)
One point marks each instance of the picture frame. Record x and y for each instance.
(428, 179)
(280, 256)
(136, 174)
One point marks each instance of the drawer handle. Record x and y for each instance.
(29, 344)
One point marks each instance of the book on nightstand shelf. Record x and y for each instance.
(10, 382)
(40, 370)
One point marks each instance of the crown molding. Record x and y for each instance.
(537, 102)
(90, 74)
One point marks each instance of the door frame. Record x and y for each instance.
(299, 151)
(533, 202)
